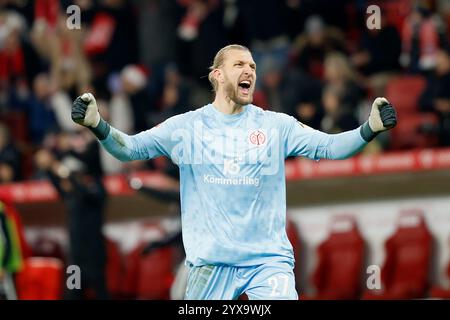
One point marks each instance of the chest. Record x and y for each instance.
(237, 149)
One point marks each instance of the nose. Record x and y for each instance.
(248, 70)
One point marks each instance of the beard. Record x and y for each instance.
(232, 92)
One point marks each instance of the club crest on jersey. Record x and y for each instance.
(257, 137)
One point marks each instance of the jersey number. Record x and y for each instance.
(274, 282)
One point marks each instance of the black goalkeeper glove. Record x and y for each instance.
(85, 112)
(382, 117)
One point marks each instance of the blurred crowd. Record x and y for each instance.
(146, 60)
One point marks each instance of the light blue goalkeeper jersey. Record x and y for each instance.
(232, 177)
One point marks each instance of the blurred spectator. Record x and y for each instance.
(174, 98)
(338, 117)
(340, 74)
(10, 159)
(43, 35)
(378, 56)
(311, 47)
(19, 63)
(12, 62)
(421, 39)
(290, 91)
(379, 50)
(265, 40)
(23, 8)
(201, 33)
(111, 41)
(69, 65)
(124, 36)
(302, 96)
(41, 117)
(436, 97)
(77, 177)
(134, 86)
(271, 78)
(157, 31)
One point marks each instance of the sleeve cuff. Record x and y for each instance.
(366, 132)
(102, 130)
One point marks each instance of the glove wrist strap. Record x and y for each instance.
(101, 131)
(366, 132)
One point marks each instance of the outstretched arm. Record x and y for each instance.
(142, 146)
(304, 141)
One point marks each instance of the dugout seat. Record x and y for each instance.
(404, 93)
(155, 274)
(48, 247)
(114, 268)
(40, 279)
(439, 291)
(129, 284)
(340, 261)
(408, 253)
(150, 276)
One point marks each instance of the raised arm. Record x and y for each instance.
(142, 146)
(304, 141)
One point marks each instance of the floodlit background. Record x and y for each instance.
(373, 226)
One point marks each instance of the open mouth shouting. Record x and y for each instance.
(244, 87)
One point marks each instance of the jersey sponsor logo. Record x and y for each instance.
(230, 167)
(257, 138)
(242, 181)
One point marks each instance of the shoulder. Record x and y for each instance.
(279, 120)
(182, 119)
(273, 116)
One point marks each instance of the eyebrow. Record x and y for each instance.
(252, 64)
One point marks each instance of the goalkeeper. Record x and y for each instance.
(231, 157)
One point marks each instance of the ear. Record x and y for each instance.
(218, 75)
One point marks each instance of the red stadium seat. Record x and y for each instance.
(441, 292)
(132, 260)
(150, 276)
(155, 274)
(404, 93)
(408, 132)
(47, 247)
(129, 284)
(408, 253)
(40, 279)
(114, 268)
(340, 261)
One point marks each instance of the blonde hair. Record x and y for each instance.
(218, 62)
(342, 65)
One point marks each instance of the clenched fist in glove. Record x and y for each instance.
(85, 113)
(382, 117)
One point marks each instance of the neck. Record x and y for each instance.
(226, 105)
